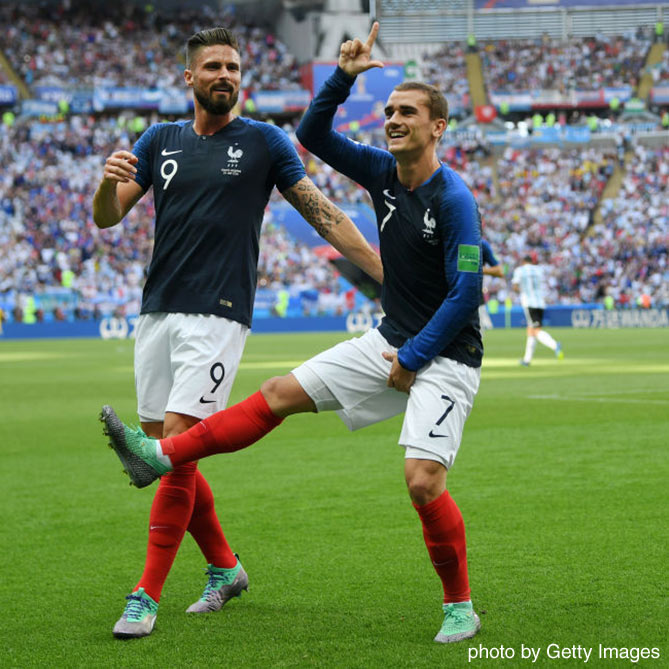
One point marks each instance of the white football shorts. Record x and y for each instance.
(185, 363)
(350, 378)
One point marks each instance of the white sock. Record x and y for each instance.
(545, 339)
(530, 345)
(163, 459)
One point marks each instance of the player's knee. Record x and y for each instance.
(426, 480)
(285, 396)
(272, 390)
(424, 487)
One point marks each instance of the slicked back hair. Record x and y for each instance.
(437, 104)
(209, 37)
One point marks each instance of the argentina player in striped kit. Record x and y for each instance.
(529, 279)
(423, 360)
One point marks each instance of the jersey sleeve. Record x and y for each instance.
(516, 275)
(460, 224)
(357, 161)
(287, 168)
(487, 254)
(142, 150)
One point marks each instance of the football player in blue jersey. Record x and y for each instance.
(424, 359)
(212, 178)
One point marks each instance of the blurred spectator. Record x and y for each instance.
(627, 255)
(126, 45)
(447, 70)
(541, 200)
(52, 249)
(585, 63)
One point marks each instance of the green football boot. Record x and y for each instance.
(135, 450)
(138, 618)
(460, 622)
(223, 585)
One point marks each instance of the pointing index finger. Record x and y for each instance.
(372, 34)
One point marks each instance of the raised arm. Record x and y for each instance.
(359, 162)
(355, 56)
(118, 191)
(334, 226)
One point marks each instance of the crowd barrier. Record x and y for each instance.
(579, 316)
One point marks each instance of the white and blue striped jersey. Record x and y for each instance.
(531, 280)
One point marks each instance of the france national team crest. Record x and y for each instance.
(430, 226)
(234, 156)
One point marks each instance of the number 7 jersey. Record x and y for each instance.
(429, 237)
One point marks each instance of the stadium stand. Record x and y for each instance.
(51, 246)
(525, 4)
(546, 63)
(626, 255)
(544, 202)
(660, 71)
(543, 198)
(52, 46)
(447, 69)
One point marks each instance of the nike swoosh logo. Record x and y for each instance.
(387, 194)
(436, 435)
(158, 527)
(203, 401)
(165, 152)
(441, 564)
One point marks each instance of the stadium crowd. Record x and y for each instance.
(542, 201)
(660, 71)
(128, 45)
(544, 205)
(539, 201)
(52, 247)
(545, 63)
(447, 70)
(626, 256)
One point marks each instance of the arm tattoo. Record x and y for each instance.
(314, 206)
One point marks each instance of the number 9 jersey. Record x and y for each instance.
(210, 194)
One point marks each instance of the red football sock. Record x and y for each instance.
(444, 533)
(226, 431)
(170, 514)
(206, 528)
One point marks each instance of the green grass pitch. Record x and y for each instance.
(561, 478)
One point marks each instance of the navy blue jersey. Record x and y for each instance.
(430, 241)
(210, 193)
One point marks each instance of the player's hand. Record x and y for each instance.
(355, 55)
(120, 167)
(399, 378)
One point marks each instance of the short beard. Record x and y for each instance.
(217, 108)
